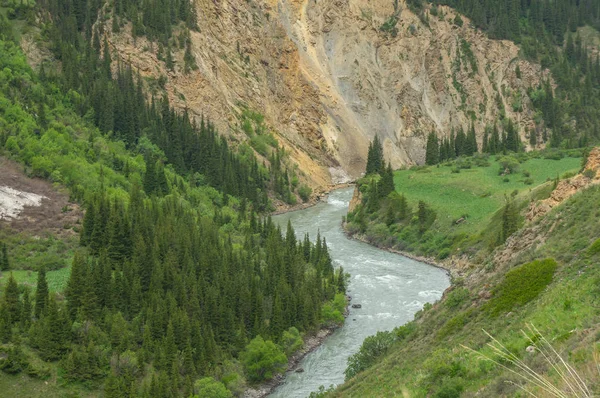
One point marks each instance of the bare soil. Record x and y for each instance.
(56, 214)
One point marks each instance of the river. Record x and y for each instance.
(389, 287)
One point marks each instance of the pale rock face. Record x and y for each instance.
(12, 202)
(328, 79)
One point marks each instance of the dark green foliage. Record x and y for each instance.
(51, 335)
(371, 350)
(521, 285)
(385, 186)
(540, 27)
(4, 260)
(375, 161)
(41, 293)
(11, 302)
(432, 152)
(304, 191)
(510, 220)
(594, 248)
(12, 359)
(177, 271)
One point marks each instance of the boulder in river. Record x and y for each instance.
(299, 370)
(356, 306)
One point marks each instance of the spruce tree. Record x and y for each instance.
(432, 151)
(4, 260)
(12, 301)
(41, 293)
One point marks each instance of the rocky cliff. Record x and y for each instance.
(330, 74)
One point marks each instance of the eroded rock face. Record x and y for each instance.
(569, 187)
(327, 78)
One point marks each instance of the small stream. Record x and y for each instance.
(390, 288)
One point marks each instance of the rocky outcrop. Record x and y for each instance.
(355, 201)
(569, 187)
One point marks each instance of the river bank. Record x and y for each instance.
(427, 260)
(314, 341)
(311, 343)
(283, 208)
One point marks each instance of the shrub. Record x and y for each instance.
(521, 285)
(291, 341)
(373, 348)
(209, 387)
(457, 297)
(594, 248)
(304, 191)
(591, 174)
(458, 21)
(262, 359)
(528, 181)
(567, 175)
(509, 165)
(332, 311)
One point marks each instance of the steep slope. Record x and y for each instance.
(328, 78)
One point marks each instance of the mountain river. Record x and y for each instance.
(390, 289)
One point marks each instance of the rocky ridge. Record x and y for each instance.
(328, 77)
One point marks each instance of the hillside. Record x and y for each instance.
(544, 275)
(137, 260)
(328, 77)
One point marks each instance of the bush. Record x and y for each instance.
(521, 285)
(509, 165)
(291, 341)
(373, 348)
(457, 297)
(262, 359)
(332, 311)
(594, 248)
(304, 191)
(210, 388)
(458, 21)
(12, 359)
(591, 174)
(528, 181)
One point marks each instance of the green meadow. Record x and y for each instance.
(478, 192)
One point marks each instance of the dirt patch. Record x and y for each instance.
(569, 187)
(33, 204)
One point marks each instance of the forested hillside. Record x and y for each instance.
(548, 32)
(179, 280)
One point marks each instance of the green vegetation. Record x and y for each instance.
(521, 285)
(552, 285)
(560, 35)
(459, 206)
(262, 359)
(175, 269)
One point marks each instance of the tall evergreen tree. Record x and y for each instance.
(432, 152)
(41, 293)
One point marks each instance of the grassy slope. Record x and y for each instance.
(477, 192)
(432, 362)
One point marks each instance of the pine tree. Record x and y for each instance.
(375, 161)
(12, 301)
(386, 183)
(41, 293)
(432, 152)
(4, 260)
